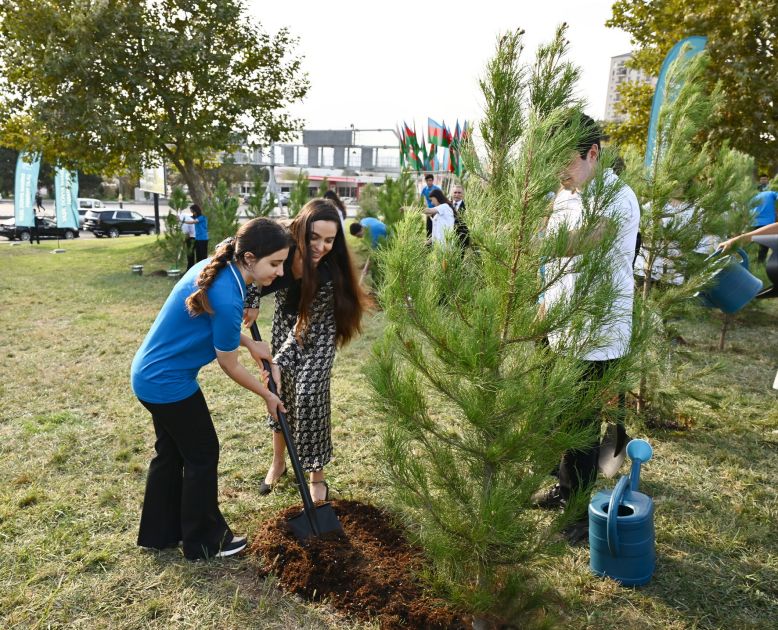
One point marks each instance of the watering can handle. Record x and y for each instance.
(613, 514)
(739, 250)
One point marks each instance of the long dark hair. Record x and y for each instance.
(332, 196)
(350, 300)
(439, 196)
(260, 237)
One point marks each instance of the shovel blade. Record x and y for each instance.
(613, 448)
(326, 521)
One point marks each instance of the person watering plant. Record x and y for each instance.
(199, 322)
(318, 307)
(765, 230)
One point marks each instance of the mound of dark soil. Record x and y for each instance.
(370, 572)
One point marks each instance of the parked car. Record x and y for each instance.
(84, 205)
(115, 222)
(47, 229)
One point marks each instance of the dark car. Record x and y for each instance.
(47, 228)
(115, 222)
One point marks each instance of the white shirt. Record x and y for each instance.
(613, 337)
(441, 222)
(187, 228)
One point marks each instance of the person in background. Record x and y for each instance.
(764, 211)
(441, 214)
(318, 308)
(199, 322)
(429, 180)
(458, 205)
(200, 222)
(371, 227)
(189, 237)
(333, 198)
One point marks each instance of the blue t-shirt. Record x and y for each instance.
(201, 228)
(426, 192)
(764, 208)
(178, 344)
(375, 228)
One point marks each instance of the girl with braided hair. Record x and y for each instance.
(319, 306)
(200, 322)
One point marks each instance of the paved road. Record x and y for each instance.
(145, 208)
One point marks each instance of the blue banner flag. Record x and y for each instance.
(25, 187)
(686, 48)
(66, 198)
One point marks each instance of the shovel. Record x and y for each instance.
(613, 446)
(313, 520)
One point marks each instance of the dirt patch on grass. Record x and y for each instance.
(369, 573)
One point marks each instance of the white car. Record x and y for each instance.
(85, 204)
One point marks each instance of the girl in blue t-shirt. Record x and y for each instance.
(200, 222)
(201, 321)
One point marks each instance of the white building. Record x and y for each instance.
(620, 73)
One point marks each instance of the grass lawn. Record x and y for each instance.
(75, 445)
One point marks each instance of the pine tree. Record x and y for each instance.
(261, 202)
(299, 195)
(477, 409)
(222, 212)
(173, 241)
(368, 201)
(395, 195)
(690, 195)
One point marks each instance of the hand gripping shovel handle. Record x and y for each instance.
(310, 509)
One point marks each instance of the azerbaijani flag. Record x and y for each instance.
(437, 133)
(424, 156)
(411, 148)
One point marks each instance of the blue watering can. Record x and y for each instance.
(732, 287)
(621, 526)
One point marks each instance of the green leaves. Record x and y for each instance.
(741, 43)
(101, 86)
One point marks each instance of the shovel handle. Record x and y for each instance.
(310, 509)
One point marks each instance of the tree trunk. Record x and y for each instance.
(195, 182)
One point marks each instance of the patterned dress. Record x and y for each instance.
(305, 374)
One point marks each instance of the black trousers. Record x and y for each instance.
(761, 257)
(578, 469)
(189, 246)
(201, 250)
(181, 500)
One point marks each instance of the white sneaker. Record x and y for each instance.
(236, 545)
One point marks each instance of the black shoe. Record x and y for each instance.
(326, 490)
(236, 545)
(550, 499)
(267, 488)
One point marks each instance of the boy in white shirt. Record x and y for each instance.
(578, 469)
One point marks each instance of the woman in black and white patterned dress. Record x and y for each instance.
(319, 306)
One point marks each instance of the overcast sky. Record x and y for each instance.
(374, 64)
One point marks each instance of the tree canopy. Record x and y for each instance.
(107, 85)
(742, 45)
